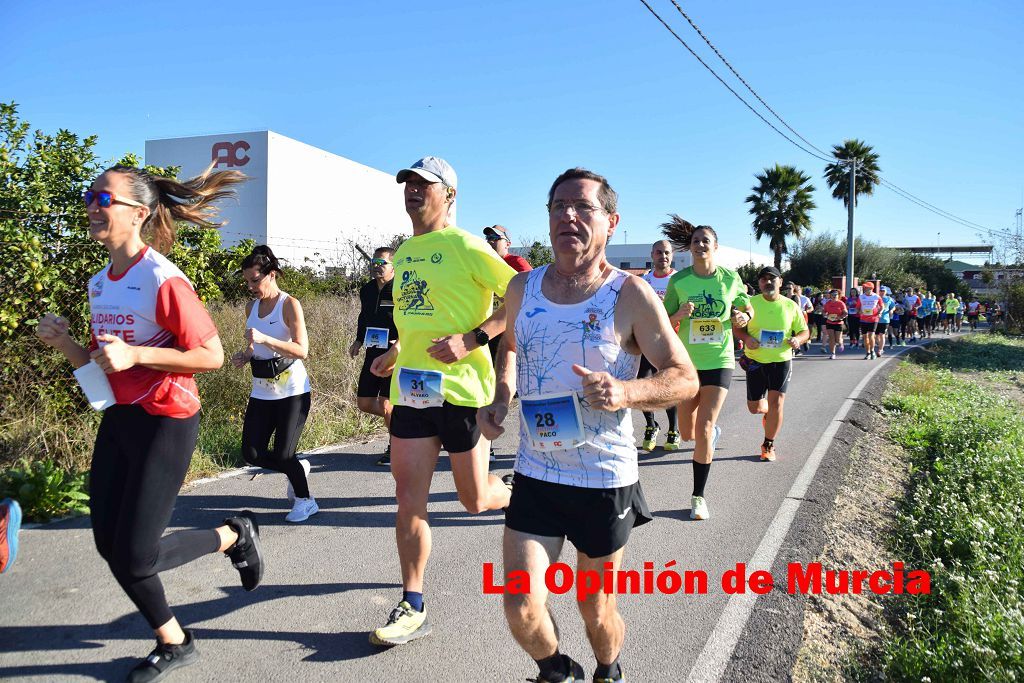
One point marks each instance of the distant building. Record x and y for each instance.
(638, 257)
(311, 206)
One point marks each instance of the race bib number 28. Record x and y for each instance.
(553, 421)
(420, 388)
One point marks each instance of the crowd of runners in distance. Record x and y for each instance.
(579, 342)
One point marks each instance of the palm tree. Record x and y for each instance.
(837, 174)
(781, 205)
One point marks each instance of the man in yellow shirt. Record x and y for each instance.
(445, 280)
(775, 332)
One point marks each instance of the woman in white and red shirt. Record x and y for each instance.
(870, 305)
(150, 334)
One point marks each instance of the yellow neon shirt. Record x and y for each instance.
(774, 323)
(444, 282)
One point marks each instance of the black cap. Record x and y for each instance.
(769, 270)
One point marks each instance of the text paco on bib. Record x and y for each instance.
(553, 421)
(420, 388)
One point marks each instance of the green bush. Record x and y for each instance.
(961, 521)
(44, 490)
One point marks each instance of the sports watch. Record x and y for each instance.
(481, 337)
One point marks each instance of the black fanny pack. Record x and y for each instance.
(269, 368)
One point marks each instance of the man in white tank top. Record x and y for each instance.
(580, 327)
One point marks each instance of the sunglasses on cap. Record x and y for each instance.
(105, 199)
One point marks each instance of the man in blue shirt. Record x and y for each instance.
(888, 304)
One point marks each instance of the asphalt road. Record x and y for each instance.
(332, 579)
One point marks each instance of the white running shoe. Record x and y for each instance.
(698, 508)
(290, 492)
(832, 356)
(303, 509)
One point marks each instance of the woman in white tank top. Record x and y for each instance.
(280, 398)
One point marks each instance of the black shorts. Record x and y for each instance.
(838, 327)
(719, 377)
(370, 385)
(768, 377)
(597, 521)
(881, 328)
(868, 328)
(454, 425)
(645, 369)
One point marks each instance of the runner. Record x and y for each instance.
(870, 305)
(10, 525)
(949, 311)
(924, 313)
(961, 307)
(705, 300)
(911, 304)
(658, 278)
(888, 304)
(776, 331)
(576, 473)
(280, 398)
(972, 314)
(853, 319)
(376, 331)
(443, 373)
(896, 321)
(835, 313)
(145, 441)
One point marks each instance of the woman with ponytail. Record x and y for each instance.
(150, 334)
(706, 301)
(279, 402)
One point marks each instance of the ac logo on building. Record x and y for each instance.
(230, 154)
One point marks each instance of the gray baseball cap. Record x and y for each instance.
(432, 169)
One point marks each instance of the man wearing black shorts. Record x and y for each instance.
(576, 472)
(376, 331)
(776, 331)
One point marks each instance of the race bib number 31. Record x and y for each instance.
(771, 339)
(553, 422)
(706, 331)
(420, 388)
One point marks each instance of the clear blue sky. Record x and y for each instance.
(512, 93)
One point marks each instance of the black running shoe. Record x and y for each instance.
(165, 659)
(385, 460)
(575, 675)
(246, 555)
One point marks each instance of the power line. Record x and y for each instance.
(744, 82)
(729, 88)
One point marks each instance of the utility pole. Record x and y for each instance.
(849, 224)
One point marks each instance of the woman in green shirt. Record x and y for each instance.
(705, 301)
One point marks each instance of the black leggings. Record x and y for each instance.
(646, 370)
(138, 465)
(282, 419)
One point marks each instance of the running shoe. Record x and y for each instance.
(492, 454)
(607, 679)
(672, 441)
(768, 453)
(164, 659)
(651, 437)
(699, 508)
(303, 509)
(404, 624)
(874, 355)
(716, 433)
(290, 491)
(867, 355)
(824, 349)
(832, 356)
(575, 675)
(10, 525)
(385, 460)
(246, 554)
(842, 348)
(879, 353)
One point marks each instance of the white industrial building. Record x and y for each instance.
(312, 207)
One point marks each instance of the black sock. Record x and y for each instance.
(553, 668)
(649, 418)
(768, 443)
(611, 671)
(700, 477)
(672, 412)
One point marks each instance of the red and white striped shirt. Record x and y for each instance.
(152, 304)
